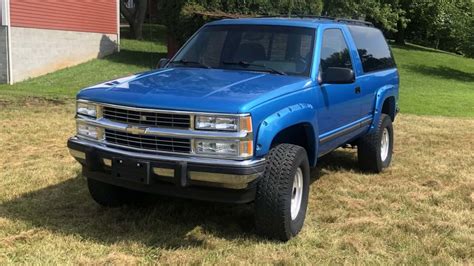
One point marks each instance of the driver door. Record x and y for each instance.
(339, 103)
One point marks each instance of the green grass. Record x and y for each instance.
(135, 56)
(432, 82)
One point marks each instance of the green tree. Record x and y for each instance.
(442, 24)
(384, 14)
(135, 16)
(184, 17)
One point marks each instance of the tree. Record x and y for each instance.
(183, 17)
(442, 24)
(384, 14)
(135, 15)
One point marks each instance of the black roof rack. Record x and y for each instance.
(335, 19)
(355, 21)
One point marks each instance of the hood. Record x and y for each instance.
(195, 89)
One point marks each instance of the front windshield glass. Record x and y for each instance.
(274, 49)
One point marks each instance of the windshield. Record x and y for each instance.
(274, 49)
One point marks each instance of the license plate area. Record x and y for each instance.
(131, 170)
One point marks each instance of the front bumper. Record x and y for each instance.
(196, 178)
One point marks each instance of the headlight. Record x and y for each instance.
(90, 131)
(88, 109)
(224, 147)
(223, 123)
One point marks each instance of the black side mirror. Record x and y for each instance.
(337, 75)
(162, 63)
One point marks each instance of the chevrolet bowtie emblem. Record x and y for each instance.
(136, 130)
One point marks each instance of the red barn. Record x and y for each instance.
(41, 36)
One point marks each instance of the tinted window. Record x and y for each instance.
(334, 50)
(286, 49)
(372, 47)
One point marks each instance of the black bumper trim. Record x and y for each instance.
(179, 186)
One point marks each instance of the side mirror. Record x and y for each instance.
(337, 75)
(162, 63)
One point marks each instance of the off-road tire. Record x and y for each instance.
(274, 191)
(369, 147)
(112, 196)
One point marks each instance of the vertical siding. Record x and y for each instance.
(75, 15)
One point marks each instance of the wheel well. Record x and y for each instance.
(301, 135)
(388, 107)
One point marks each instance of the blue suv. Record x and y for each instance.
(240, 114)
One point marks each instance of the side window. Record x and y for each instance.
(334, 50)
(372, 48)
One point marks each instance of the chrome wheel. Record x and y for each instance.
(296, 193)
(384, 145)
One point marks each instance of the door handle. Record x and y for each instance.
(357, 90)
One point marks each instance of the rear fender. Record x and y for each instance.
(382, 94)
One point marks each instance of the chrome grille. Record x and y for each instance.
(152, 143)
(146, 118)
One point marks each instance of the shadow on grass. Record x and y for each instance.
(137, 58)
(444, 72)
(415, 47)
(151, 32)
(338, 160)
(168, 223)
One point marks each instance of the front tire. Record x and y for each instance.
(282, 193)
(374, 151)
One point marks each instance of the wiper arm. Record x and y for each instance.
(186, 62)
(247, 64)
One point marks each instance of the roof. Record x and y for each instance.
(309, 22)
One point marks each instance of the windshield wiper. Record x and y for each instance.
(247, 64)
(186, 62)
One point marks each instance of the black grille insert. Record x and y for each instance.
(150, 119)
(152, 143)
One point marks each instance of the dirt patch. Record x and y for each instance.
(33, 101)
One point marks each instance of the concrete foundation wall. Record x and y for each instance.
(3, 54)
(38, 51)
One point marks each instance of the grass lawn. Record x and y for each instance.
(419, 211)
(434, 82)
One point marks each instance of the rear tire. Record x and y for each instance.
(282, 193)
(112, 196)
(374, 151)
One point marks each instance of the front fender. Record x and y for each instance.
(282, 119)
(382, 94)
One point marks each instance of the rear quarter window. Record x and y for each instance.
(373, 49)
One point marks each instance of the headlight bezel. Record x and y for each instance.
(243, 148)
(87, 109)
(81, 127)
(241, 123)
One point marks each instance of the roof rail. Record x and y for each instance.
(355, 22)
(335, 19)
